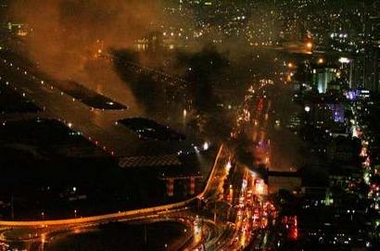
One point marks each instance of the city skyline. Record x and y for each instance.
(234, 120)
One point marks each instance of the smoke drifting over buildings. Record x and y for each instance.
(65, 35)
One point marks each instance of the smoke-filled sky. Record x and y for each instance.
(65, 33)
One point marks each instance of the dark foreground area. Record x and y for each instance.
(49, 171)
(117, 236)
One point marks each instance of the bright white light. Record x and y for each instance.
(307, 108)
(206, 146)
(228, 166)
(344, 60)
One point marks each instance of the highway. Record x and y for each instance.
(41, 231)
(212, 234)
(231, 207)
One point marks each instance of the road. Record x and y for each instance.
(41, 231)
(231, 207)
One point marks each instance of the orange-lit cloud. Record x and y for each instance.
(65, 34)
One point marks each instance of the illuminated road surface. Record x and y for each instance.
(101, 129)
(41, 231)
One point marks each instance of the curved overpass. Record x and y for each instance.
(119, 215)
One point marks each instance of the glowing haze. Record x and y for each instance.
(66, 34)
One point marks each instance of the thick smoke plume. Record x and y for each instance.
(66, 35)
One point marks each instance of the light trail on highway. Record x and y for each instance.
(224, 232)
(49, 227)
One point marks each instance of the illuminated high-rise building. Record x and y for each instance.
(322, 76)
